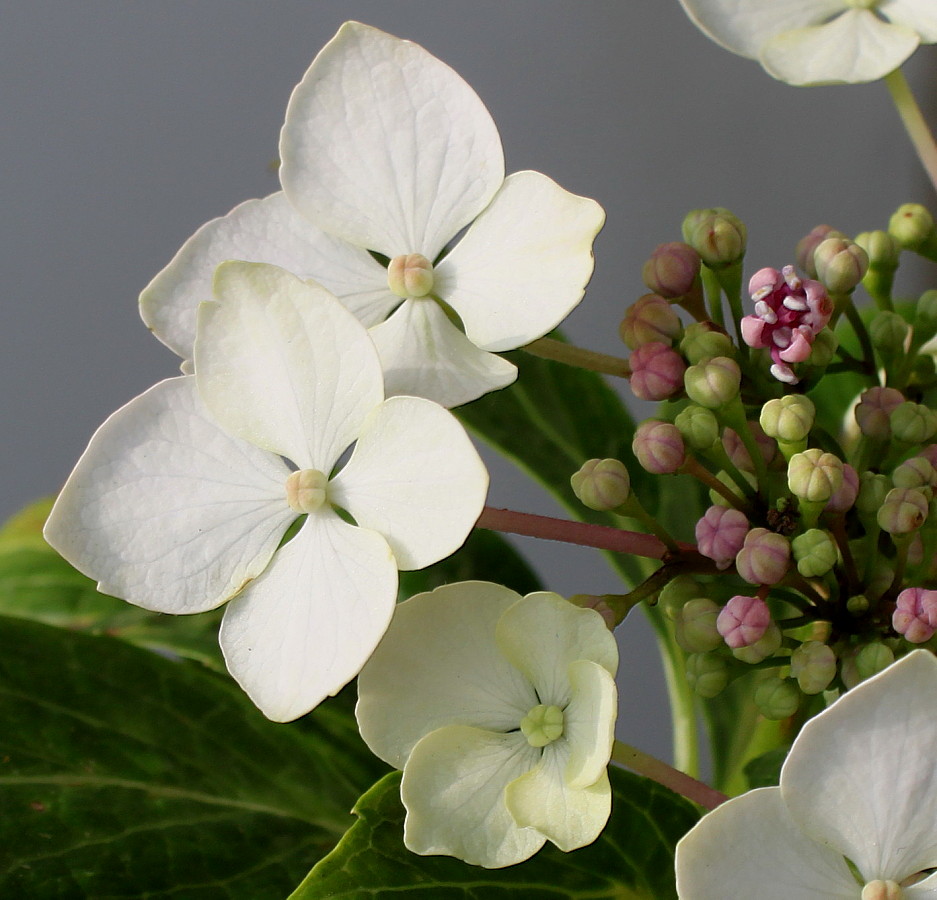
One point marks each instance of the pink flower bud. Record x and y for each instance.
(738, 452)
(743, 621)
(789, 312)
(720, 534)
(874, 410)
(915, 615)
(656, 371)
(672, 270)
(650, 318)
(659, 447)
(845, 495)
(764, 557)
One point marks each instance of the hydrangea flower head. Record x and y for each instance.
(854, 816)
(386, 149)
(789, 312)
(183, 496)
(500, 710)
(807, 42)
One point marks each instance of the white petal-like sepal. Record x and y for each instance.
(271, 231)
(304, 629)
(414, 477)
(281, 363)
(386, 146)
(524, 263)
(166, 510)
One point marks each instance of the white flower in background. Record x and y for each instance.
(387, 149)
(855, 815)
(183, 495)
(819, 41)
(501, 713)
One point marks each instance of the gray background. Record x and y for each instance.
(126, 124)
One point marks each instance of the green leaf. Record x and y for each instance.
(124, 774)
(631, 860)
(765, 770)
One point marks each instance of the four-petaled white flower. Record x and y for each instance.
(387, 149)
(500, 710)
(183, 495)
(819, 41)
(855, 815)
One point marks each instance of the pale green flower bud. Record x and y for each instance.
(776, 698)
(717, 235)
(602, 484)
(911, 225)
(925, 314)
(704, 340)
(678, 592)
(698, 426)
(813, 664)
(903, 511)
(695, 626)
(823, 348)
(714, 383)
(889, 332)
(814, 475)
(706, 673)
(881, 248)
(543, 725)
(872, 491)
(913, 423)
(410, 275)
(872, 659)
(767, 646)
(916, 472)
(841, 264)
(788, 418)
(858, 604)
(815, 552)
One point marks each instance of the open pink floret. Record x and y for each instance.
(789, 312)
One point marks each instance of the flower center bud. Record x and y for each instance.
(542, 725)
(306, 490)
(882, 890)
(410, 275)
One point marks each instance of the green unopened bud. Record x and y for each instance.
(713, 383)
(881, 248)
(695, 626)
(704, 340)
(602, 484)
(911, 225)
(678, 592)
(872, 659)
(916, 472)
(717, 235)
(814, 475)
(807, 245)
(813, 664)
(872, 491)
(889, 333)
(815, 551)
(858, 604)
(925, 316)
(913, 423)
(542, 725)
(789, 418)
(776, 699)
(410, 275)
(923, 369)
(823, 349)
(698, 426)
(841, 264)
(767, 645)
(706, 673)
(903, 511)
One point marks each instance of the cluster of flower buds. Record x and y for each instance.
(815, 558)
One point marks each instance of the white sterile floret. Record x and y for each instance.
(501, 711)
(855, 815)
(819, 41)
(387, 149)
(183, 496)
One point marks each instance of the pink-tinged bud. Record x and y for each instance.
(903, 511)
(814, 476)
(916, 472)
(930, 454)
(764, 558)
(713, 383)
(841, 264)
(656, 372)
(738, 452)
(915, 615)
(807, 245)
(672, 270)
(720, 534)
(602, 484)
(769, 644)
(649, 319)
(789, 313)
(659, 447)
(844, 497)
(874, 411)
(717, 235)
(743, 621)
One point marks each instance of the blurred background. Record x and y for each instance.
(126, 125)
